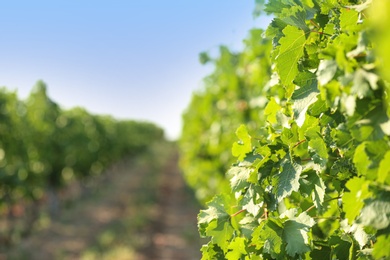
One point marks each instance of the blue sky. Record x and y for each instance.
(130, 59)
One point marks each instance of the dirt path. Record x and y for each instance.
(142, 211)
(176, 234)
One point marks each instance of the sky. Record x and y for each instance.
(129, 59)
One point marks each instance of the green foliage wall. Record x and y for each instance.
(317, 184)
(42, 145)
(232, 94)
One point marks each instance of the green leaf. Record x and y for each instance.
(326, 71)
(358, 233)
(252, 200)
(330, 29)
(221, 234)
(368, 157)
(304, 96)
(371, 122)
(341, 136)
(295, 16)
(211, 251)
(305, 79)
(204, 58)
(318, 151)
(236, 249)
(290, 51)
(214, 213)
(271, 111)
(330, 210)
(268, 236)
(312, 184)
(296, 234)
(362, 132)
(289, 136)
(239, 177)
(384, 169)
(275, 6)
(340, 248)
(240, 149)
(274, 114)
(360, 159)
(376, 214)
(363, 83)
(353, 200)
(381, 247)
(287, 180)
(331, 94)
(348, 19)
(318, 192)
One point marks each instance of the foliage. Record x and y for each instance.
(317, 184)
(232, 95)
(43, 148)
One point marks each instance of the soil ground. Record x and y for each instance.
(141, 209)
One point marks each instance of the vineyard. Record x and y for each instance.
(45, 149)
(286, 147)
(294, 137)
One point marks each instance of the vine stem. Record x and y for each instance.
(314, 23)
(322, 33)
(328, 218)
(237, 213)
(300, 142)
(313, 206)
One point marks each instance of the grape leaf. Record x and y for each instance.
(376, 214)
(340, 247)
(361, 160)
(240, 149)
(353, 200)
(326, 71)
(368, 158)
(357, 231)
(221, 233)
(236, 249)
(251, 201)
(381, 247)
(239, 177)
(296, 234)
(360, 235)
(362, 82)
(211, 251)
(384, 169)
(295, 16)
(287, 180)
(275, 6)
(304, 96)
(215, 222)
(271, 111)
(268, 236)
(318, 192)
(290, 51)
(215, 212)
(318, 151)
(348, 19)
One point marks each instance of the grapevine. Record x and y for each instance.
(43, 148)
(216, 111)
(316, 185)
